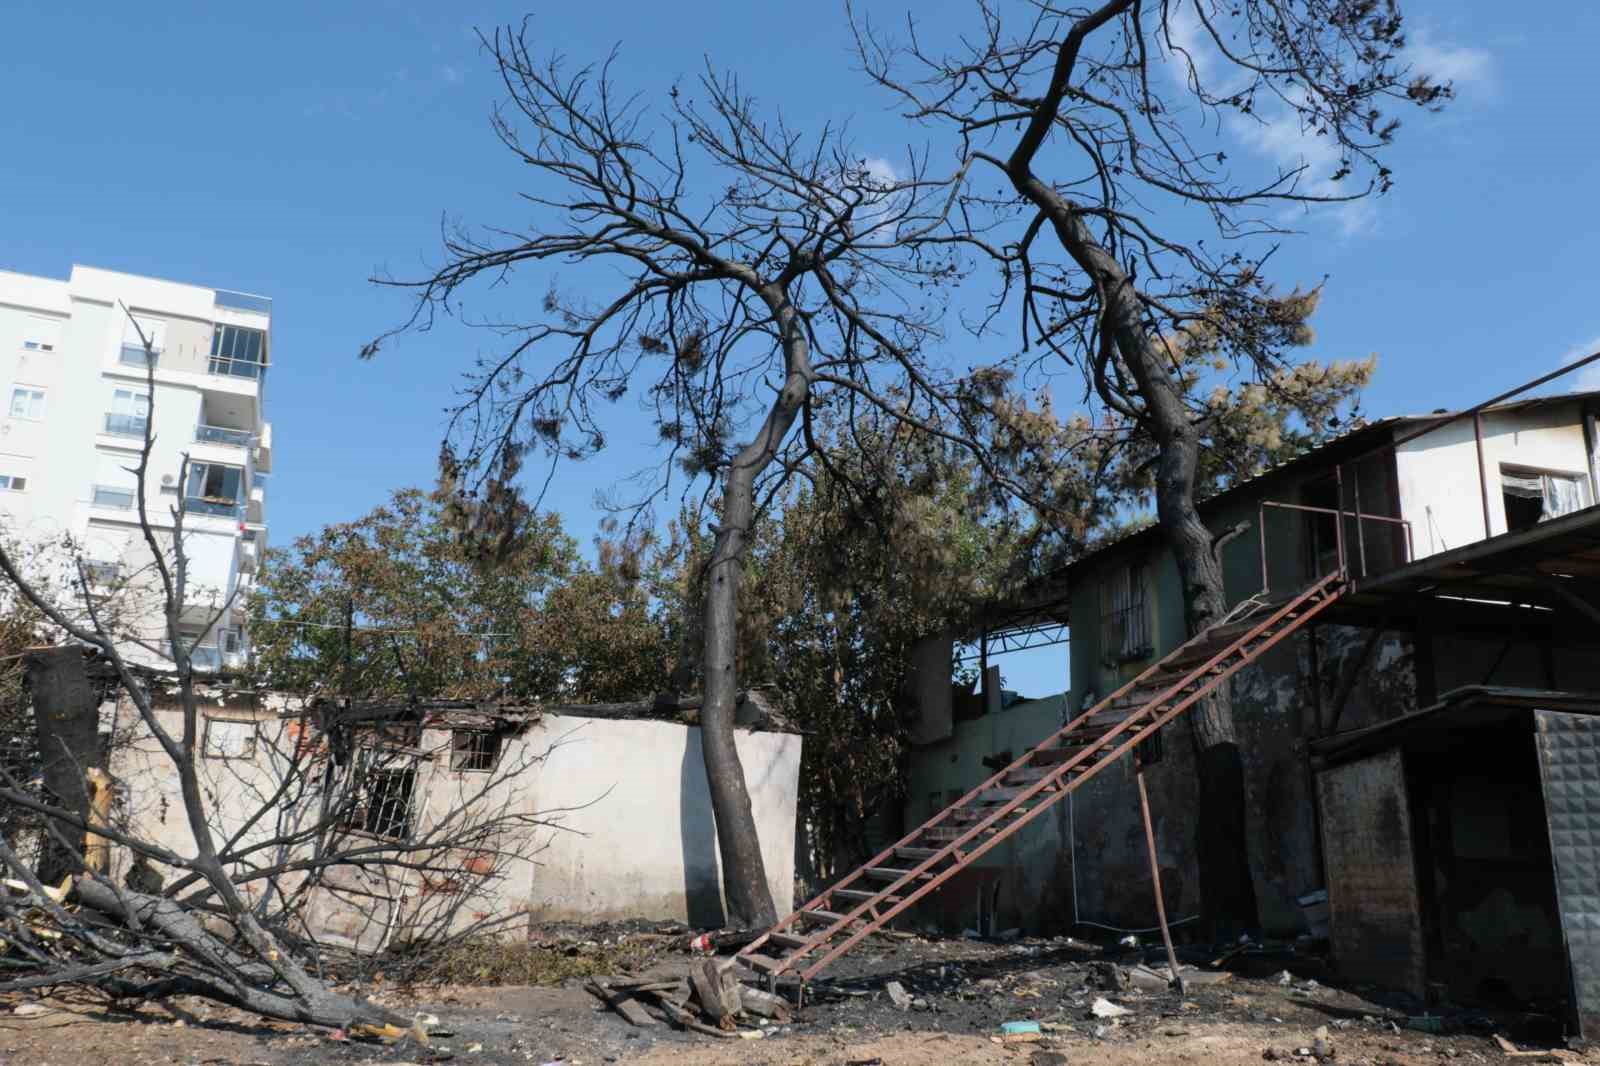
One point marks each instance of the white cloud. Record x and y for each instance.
(1589, 377)
(450, 75)
(1274, 134)
(1470, 70)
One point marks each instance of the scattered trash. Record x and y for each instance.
(1285, 978)
(898, 995)
(703, 945)
(1104, 1008)
(1009, 1028)
(1321, 1044)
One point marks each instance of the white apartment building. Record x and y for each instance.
(72, 422)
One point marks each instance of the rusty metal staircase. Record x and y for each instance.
(814, 936)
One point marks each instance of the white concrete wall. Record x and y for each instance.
(67, 452)
(1440, 491)
(624, 818)
(642, 839)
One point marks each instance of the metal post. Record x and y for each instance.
(1483, 474)
(1361, 538)
(1338, 523)
(1261, 525)
(1155, 877)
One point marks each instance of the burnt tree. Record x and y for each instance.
(744, 278)
(1101, 137)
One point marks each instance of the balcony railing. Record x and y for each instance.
(126, 425)
(114, 496)
(239, 438)
(135, 355)
(205, 657)
(219, 508)
(222, 366)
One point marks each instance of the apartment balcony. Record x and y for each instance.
(126, 425)
(213, 506)
(236, 438)
(114, 497)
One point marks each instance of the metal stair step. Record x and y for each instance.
(916, 855)
(757, 961)
(788, 940)
(889, 873)
(1055, 756)
(1005, 794)
(823, 917)
(1027, 775)
(862, 896)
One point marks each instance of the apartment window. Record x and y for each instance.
(114, 496)
(13, 483)
(238, 352)
(149, 330)
(214, 488)
(1533, 496)
(384, 807)
(43, 334)
(230, 738)
(474, 750)
(232, 640)
(129, 414)
(99, 572)
(1125, 614)
(27, 403)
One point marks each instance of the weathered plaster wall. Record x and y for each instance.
(627, 828)
(644, 843)
(1439, 487)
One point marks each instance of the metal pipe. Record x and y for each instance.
(1155, 877)
(1483, 474)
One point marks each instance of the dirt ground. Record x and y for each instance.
(963, 991)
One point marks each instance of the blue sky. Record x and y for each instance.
(294, 149)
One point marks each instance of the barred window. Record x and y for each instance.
(1125, 614)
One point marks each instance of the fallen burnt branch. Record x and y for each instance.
(709, 989)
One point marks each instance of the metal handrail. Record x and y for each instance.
(221, 435)
(228, 367)
(1341, 514)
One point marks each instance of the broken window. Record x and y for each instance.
(384, 807)
(1534, 496)
(230, 738)
(1125, 614)
(214, 489)
(474, 750)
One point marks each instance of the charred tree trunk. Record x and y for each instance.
(1227, 889)
(744, 873)
(67, 722)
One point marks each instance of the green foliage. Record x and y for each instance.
(430, 612)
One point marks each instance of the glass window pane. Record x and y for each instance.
(197, 479)
(216, 340)
(19, 403)
(228, 487)
(253, 346)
